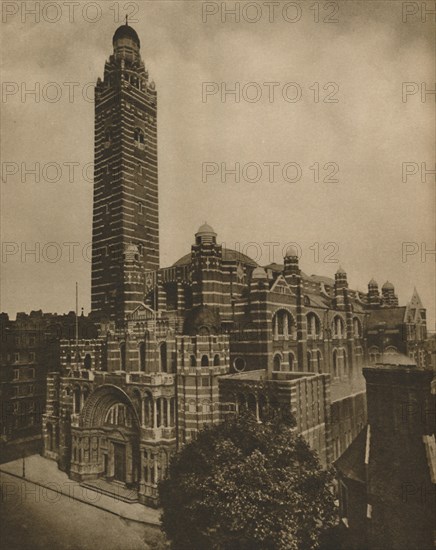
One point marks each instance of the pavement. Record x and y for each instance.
(45, 474)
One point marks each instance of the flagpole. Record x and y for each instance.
(77, 320)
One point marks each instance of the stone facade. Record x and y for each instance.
(181, 346)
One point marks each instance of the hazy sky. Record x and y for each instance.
(369, 132)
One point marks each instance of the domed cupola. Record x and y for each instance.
(388, 294)
(205, 234)
(259, 273)
(125, 32)
(126, 44)
(388, 286)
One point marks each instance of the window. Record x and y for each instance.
(338, 327)
(205, 361)
(142, 356)
(335, 364)
(32, 356)
(16, 357)
(123, 355)
(216, 360)
(313, 326)
(277, 362)
(16, 374)
(87, 361)
(239, 364)
(163, 357)
(140, 208)
(139, 139)
(357, 328)
(283, 325)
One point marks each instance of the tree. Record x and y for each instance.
(244, 485)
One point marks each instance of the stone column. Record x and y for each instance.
(169, 419)
(154, 414)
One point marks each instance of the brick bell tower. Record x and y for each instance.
(125, 210)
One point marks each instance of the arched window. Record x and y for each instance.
(357, 328)
(87, 361)
(142, 356)
(239, 364)
(313, 326)
(76, 400)
(148, 410)
(318, 361)
(277, 362)
(123, 355)
(309, 361)
(216, 360)
(68, 358)
(338, 327)
(345, 360)
(205, 361)
(139, 138)
(292, 364)
(335, 364)
(159, 410)
(193, 361)
(163, 357)
(283, 325)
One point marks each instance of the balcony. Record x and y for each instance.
(156, 434)
(150, 379)
(81, 374)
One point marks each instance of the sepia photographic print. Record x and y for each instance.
(218, 279)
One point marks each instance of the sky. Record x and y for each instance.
(329, 143)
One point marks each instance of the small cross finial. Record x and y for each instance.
(126, 20)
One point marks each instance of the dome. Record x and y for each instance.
(388, 286)
(229, 255)
(126, 32)
(372, 282)
(259, 273)
(291, 252)
(202, 320)
(340, 271)
(205, 229)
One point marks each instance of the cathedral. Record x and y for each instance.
(181, 347)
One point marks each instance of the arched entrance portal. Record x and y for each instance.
(106, 442)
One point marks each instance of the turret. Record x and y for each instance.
(388, 295)
(291, 268)
(373, 293)
(341, 284)
(206, 256)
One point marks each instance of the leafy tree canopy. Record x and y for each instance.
(244, 485)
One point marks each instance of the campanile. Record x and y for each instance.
(125, 234)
